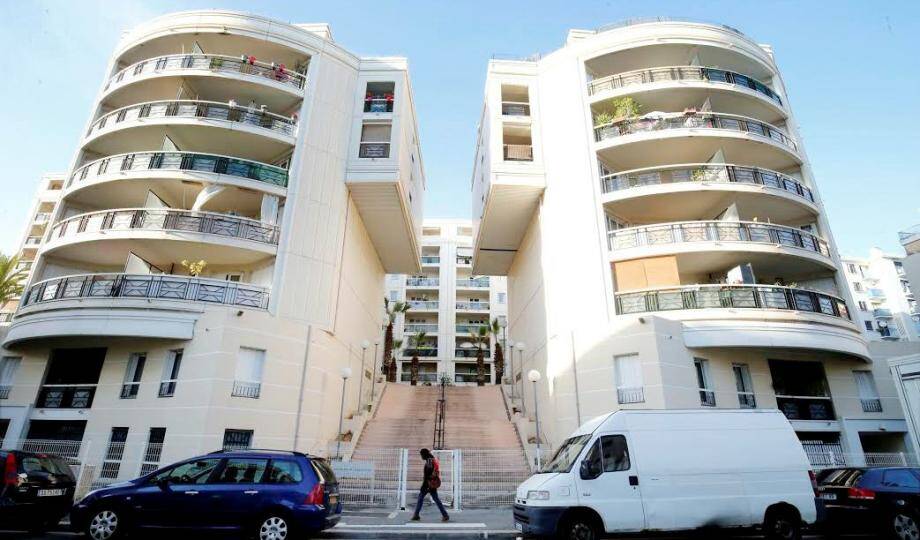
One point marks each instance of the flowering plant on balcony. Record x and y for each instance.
(195, 268)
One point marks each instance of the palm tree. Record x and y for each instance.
(480, 339)
(392, 312)
(416, 341)
(495, 330)
(11, 278)
(391, 361)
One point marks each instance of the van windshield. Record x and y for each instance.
(566, 455)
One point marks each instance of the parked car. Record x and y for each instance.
(884, 501)
(269, 494)
(633, 471)
(37, 490)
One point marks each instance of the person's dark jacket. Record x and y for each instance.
(429, 471)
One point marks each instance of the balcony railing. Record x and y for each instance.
(374, 150)
(464, 260)
(515, 108)
(181, 161)
(168, 388)
(469, 328)
(42, 217)
(422, 282)
(889, 333)
(468, 377)
(209, 62)
(876, 294)
(871, 405)
(730, 296)
(64, 396)
(705, 174)
(716, 231)
(422, 377)
(130, 390)
(6, 317)
(246, 389)
(413, 328)
(746, 400)
(468, 353)
(431, 260)
(806, 407)
(208, 110)
(421, 352)
(630, 395)
(728, 122)
(423, 304)
(70, 450)
(707, 398)
(148, 286)
(680, 73)
(472, 306)
(882, 313)
(185, 221)
(33, 240)
(379, 104)
(5, 391)
(518, 152)
(478, 283)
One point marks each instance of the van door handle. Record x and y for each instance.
(191, 493)
(251, 492)
(634, 480)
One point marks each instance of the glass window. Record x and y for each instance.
(284, 472)
(900, 478)
(868, 325)
(237, 439)
(565, 457)
(133, 375)
(192, 472)
(242, 471)
(863, 306)
(615, 453)
(865, 384)
(501, 298)
(593, 461)
(8, 367)
(171, 372)
(249, 364)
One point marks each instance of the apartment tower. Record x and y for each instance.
(646, 191)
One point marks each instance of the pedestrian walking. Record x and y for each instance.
(431, 481)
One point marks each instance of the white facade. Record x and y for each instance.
(448, 302)
(885, 302)
(285, 162)
(906, 371)
(677, 256)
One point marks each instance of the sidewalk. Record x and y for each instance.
(379, 523)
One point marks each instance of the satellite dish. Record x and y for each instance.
(882, 324)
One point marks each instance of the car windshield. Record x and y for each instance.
(566, 455)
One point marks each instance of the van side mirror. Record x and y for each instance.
(587, 472)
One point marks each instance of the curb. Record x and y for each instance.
(419, 534)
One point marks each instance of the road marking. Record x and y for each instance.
(343, 525)
(393, 514)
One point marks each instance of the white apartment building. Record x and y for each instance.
(447, 302)
(286, 163)
(646, 191)
(44, 202)
(885, 303)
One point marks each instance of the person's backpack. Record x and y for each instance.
(434, 482)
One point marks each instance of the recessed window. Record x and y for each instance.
(502, 297)
(111, 464)
(868, 393)
(171, 373)
(375, 141)
(857, 286)
(249, 365)
(8, 367)
(868, 325)
(744, 386)
(703, 379)
(627, 372)
(851, 268)
(133, 373)
(863, 306)
(154, 450)
(237, 439)
(431, 231)
(379, 97)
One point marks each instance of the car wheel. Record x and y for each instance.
(105, 524)
(580, 528)
(905, 526)
(782, 525)
(274, 527)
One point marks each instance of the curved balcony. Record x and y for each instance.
(216, 238)
(660, 193)
(681, 73)
(248, 71)
(694, 137)
(705, 246)
(261, 134)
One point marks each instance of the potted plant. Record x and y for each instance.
(216, 62)
(603, 125)
(195, 268)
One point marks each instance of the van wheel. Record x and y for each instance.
(274, 527)
(106, 524)
(905, 526)
(580, 527)
(782, 524)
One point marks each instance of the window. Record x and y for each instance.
(744, 385)
(154, 450)
(431, 231)
(242, 471)
(901, 478)
(608, 454)
(132, 382)
(379, 97)
(857, 286)
(284, 472)
(628, 374)
(869, 325)
(115, 452)
(248, 381)
(8, 367)
(863, 306)
(171, 373)
(868, 393)
(375, 141)
(707, 396)
(4, 426)
(851, 268)
(192, 472)
(237, 439)
(502, 297)
(394, 296)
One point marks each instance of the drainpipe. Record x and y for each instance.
(303, 384)
(575, 375)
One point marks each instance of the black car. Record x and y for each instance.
(884, 501)
(37, 490)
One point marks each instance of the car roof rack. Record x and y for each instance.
(258, 451)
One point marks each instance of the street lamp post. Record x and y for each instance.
(364, 345)
(346, 373)
(534, 376)
(374, 372)
(520, 346)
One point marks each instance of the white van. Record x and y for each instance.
(632, 471)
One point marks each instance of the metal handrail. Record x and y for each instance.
(472, 305)
(191, 108)
(210, 62)
(430, 328)
(421, 282)
(423, 304)
(473, 283)
(730, 297)
(704, 173)
(183, 161)
(152, 286)
(698, 120)
(168, 220)
(680, 73)
(716, 231)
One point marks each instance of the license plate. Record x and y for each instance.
(50, 492)
(829, 496)
(519, 526)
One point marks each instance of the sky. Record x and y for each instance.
(851, 71)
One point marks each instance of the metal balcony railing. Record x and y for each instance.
(630, 395)
(472, 306)
(207, 110)
(806, 407)
(477, 283)
(5, 391)
(882, 313)
(374, 150)
(246, 389)
(184, 221)
(680, 73)
(379, 103)
(422, 377)
(467, 353)
(33, 240)
(704, 173)
(707, 398)
(67, 449)
(746, 400)
(423, 304)
(464, 260)
(515, 108)
(716, 231)
(42, 217)
(149, 286)
(467, 377)
(698, 120)
(181, 161)
(421, 352)
(431, 260)
(518, 152)
(429, 328)
(209, 62)
(876, 293)
(469, 328)
(65, 396)
(422, 282)
(730, 296)
(871, 405)
(130, 390)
